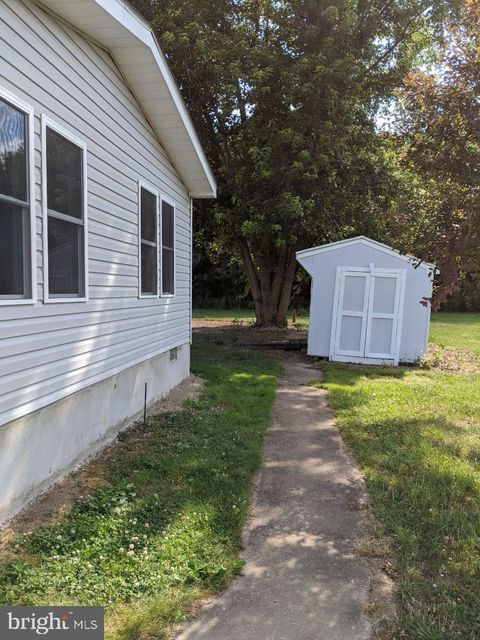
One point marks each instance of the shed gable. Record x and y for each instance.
(359, 242)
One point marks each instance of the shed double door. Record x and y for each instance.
(367, 315)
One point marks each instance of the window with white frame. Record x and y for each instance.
(168, 248)
(15, 202)
(65, 194)
(148, 242)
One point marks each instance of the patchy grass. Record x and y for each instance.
(166, 529)
(224, 314)
(456, 330)
(416, 437)
(244, 316)
(451, 360)
(447, 329)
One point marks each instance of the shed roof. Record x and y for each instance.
(313, 251)
(116, 26)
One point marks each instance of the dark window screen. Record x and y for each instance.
(66, 234)
(13, 153)
(15, 263)
(149, 246)
(14, 258)
(64, 175)
(168, 248)
(65, 257)
(149, 215)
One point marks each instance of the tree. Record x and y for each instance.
(219, 280)
(438, 141)
(284, 95)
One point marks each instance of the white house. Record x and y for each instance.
(370, 304)
(99, 163)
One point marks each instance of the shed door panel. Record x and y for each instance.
(381, 338)
(368, 314)
(352, 314)
(384, 293)
(383, 316)
(351, 337)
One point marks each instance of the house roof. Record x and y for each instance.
(313, 251)
(116, 26)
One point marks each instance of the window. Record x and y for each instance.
(15, 200)
(148, 242)
(64, 191)
(168, 248)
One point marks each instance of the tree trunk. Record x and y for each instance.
(270, 284)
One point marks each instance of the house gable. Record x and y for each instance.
(116, 26)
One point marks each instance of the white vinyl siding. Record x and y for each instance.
(48, 351)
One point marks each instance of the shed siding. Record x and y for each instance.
(323, 267)
(50, 350)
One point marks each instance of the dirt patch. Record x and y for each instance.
(189, 389)
(375, 547)
(381, 608)
(455, 361)
(247, 336)
(202, 323)
(56, 502)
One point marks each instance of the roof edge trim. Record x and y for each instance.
(366, 241)
(116, 26)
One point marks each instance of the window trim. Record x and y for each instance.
(51, 124)
(148, 187)
(171, 202)
(28, 110)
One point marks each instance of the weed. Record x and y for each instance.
(166, 530)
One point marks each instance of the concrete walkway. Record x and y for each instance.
(302, 580)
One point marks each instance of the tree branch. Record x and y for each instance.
(406, 33)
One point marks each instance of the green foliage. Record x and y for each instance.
(284, 96)
(219, 280)
(468, 296)
(166, 529)
(415, 436)
(437, 144)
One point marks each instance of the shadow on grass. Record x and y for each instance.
(421, 471)
(167, 527)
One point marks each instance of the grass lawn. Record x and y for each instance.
(243, 315)
(416, 437)
(165, 529)
(223, 314)
(457, 330)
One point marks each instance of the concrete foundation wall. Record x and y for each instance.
(40, 448)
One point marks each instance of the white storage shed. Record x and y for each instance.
(370, 304)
